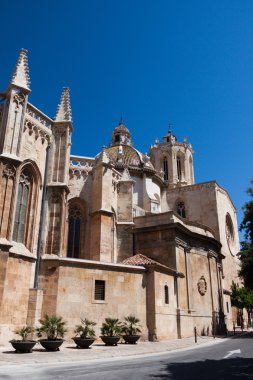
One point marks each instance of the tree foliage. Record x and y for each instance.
(246, 253)
(241, 297)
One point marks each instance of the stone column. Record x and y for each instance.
(188, 277)
(150, 308)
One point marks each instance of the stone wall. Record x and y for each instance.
(16, 280)
(200, 203)
(165, 314)
(69, 292)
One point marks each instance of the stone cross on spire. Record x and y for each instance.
(20, 76)
(64, 108)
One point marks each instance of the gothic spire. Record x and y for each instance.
(64, 112)
(20, 76)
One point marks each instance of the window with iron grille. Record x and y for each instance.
(99, 290)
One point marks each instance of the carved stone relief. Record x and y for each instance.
(202, 286)
(9, 171)
(19, 99)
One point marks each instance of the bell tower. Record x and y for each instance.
(173, 160)
(121, 135)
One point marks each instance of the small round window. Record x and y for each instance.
(230, 235)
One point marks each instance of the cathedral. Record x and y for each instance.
(112, 235)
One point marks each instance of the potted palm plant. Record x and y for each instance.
(111, 330)
(131, 329)
(24, 344)
(85, 334)
(53, 328)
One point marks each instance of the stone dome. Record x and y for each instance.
(122, 154)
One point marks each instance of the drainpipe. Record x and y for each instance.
(42, 222)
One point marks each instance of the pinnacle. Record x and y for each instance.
(64, 108)
(104, 157)
(126, 174)
(20, 76)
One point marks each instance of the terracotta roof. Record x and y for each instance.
(142, 260)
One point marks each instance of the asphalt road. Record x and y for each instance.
(231, 359)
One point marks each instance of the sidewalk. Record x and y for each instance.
(69, 353)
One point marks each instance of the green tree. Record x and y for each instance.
(242, 298)
(246, 253)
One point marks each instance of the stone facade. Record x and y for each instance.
(134, 225)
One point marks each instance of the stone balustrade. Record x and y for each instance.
(80, 166)
(38, 116)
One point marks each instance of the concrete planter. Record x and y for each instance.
(131, 339)
(51, 345)
(83, 342)
(110, 340)
(23, 345)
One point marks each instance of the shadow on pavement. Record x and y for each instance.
(244, 335)
(225, 369)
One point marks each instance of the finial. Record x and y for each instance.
(121, 119)
(20, 76)
(64, 112)
(170, 127)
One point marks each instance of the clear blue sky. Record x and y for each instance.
(185, 61)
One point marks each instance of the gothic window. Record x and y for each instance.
(179, 169)
(22, 204)
(180, 208)
(165, 169)
(75, 221)
(166, 294)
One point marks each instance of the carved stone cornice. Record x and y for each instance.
(37, 129)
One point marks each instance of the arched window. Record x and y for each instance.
(75, 222)
(165, 169)
(22, 205)
(166, 294)
(179, 169)
(180, 208)
(117, 138)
